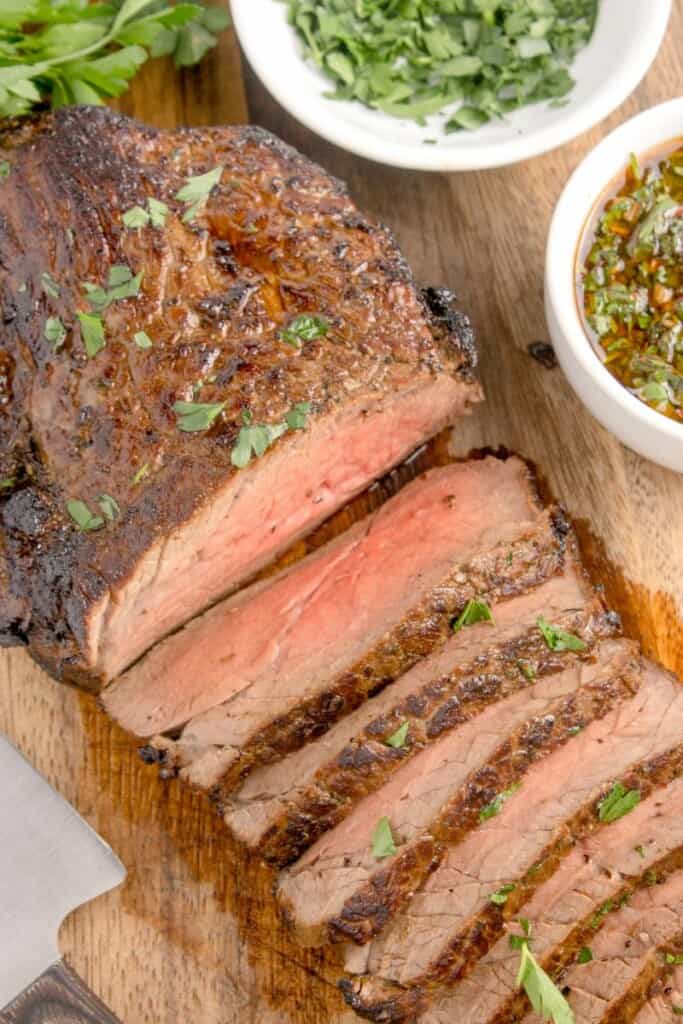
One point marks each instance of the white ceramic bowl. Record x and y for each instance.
(626, 41)
(639, 427)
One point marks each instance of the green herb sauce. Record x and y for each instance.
(631, 283)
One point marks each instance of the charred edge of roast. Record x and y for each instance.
(625, 1009)
(366, 913)
(390, 1008)
(451, 324)
(476, 939)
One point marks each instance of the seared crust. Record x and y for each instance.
(381, 1000)
(278, 237)
(489, 576)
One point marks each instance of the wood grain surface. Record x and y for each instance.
(58, 996)
(192, 937)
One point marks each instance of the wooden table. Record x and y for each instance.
(192, 937)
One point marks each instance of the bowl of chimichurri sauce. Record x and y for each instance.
(614, 283)
(630, 281)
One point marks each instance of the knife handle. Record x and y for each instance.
(57, 997)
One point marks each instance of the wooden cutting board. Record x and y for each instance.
(192, 936)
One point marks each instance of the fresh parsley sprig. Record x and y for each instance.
(544, 996)
(75, 52)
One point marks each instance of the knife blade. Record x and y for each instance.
(51, 862)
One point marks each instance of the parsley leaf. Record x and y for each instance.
(544, 996)
(197, 416)
(617, 803)
(141, 474)
(493, 809)
(50, 286)
(4, 169)
(256, 438)
(297, 416)
(398, 739)
(500, 897)
(55, 332)
(195, 193)
(674, 959)
(92, 333)
(383, 844)
(305, 327)
(142, 339)
(139, 217)
(136, 217)
(109, 506)
(158, 212)
(558, 639)
(585, 955)
(121, 284)
(84, 519)
(473, 612)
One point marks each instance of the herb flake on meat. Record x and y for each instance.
(92, 332)
(473, 612)
(305, 327)
(55, 332)
(195, 193)
(493, 809)
(194, 417)
(558, 639)
(383, 844)
(85, 520)
(398, 739)
(617, 803)
(544, 996)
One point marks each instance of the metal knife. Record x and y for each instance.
(51, 862)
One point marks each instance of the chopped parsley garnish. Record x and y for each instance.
(49, 285)
(92, 332)
(195, 193)
(55, 332)
(617, 803)
(527, 669)
(398, 739)
(4, 169)
(109, 506)
(139, 217)
(477, 60)
(256, 438)
(473, 612)
(7, 483)
(640, 850)
(493, 809)
(606, 908)
(585, 955)
(196, 416)
(558, 639)
(383, 844)
(142, 339)
(544, 996)
(305, 327)
(85, 520)
(121, 284)
(500, 897)
(674, 960)
(631, 283)
(143, 472)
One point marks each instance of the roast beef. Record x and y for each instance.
(282, 808)
(452, 921)
(376, 369)
(597, 877)
(339, 888)
(274, 665)
(665, 1002)
(628, 954)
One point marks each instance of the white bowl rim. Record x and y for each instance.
(444, 159)
(560, 273)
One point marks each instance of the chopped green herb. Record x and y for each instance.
(84, 519)
(574, 730)
(558, 639)
(544, 996)
(617, 803)
(141, 474)
(158, 212)
(197, 416)
(4, 169)
(474, 60)
(517, 941)
(305, 327)
(607, 908)
(297, 416)
(493, 809)
(677, 1011)
(585, 955)
(640, 850)
(500, 897)
(109, 506)
(55, 332)
(7, 483)
(136, 217)
(121, 284)
(92, 332)
(398, 739)
(50, 286)
(674, 959)
(142, 339)
(527, 669)
(383, 844)
(195, 193)
(473, 612)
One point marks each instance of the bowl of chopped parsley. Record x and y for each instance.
(614, 283)
(448, 85)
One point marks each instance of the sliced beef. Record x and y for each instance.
(565, 912)
(339, 889)
(628, 953)
(452, 921)
(262, 672)
(665, 1002)
(277, 237)
(282, 809)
